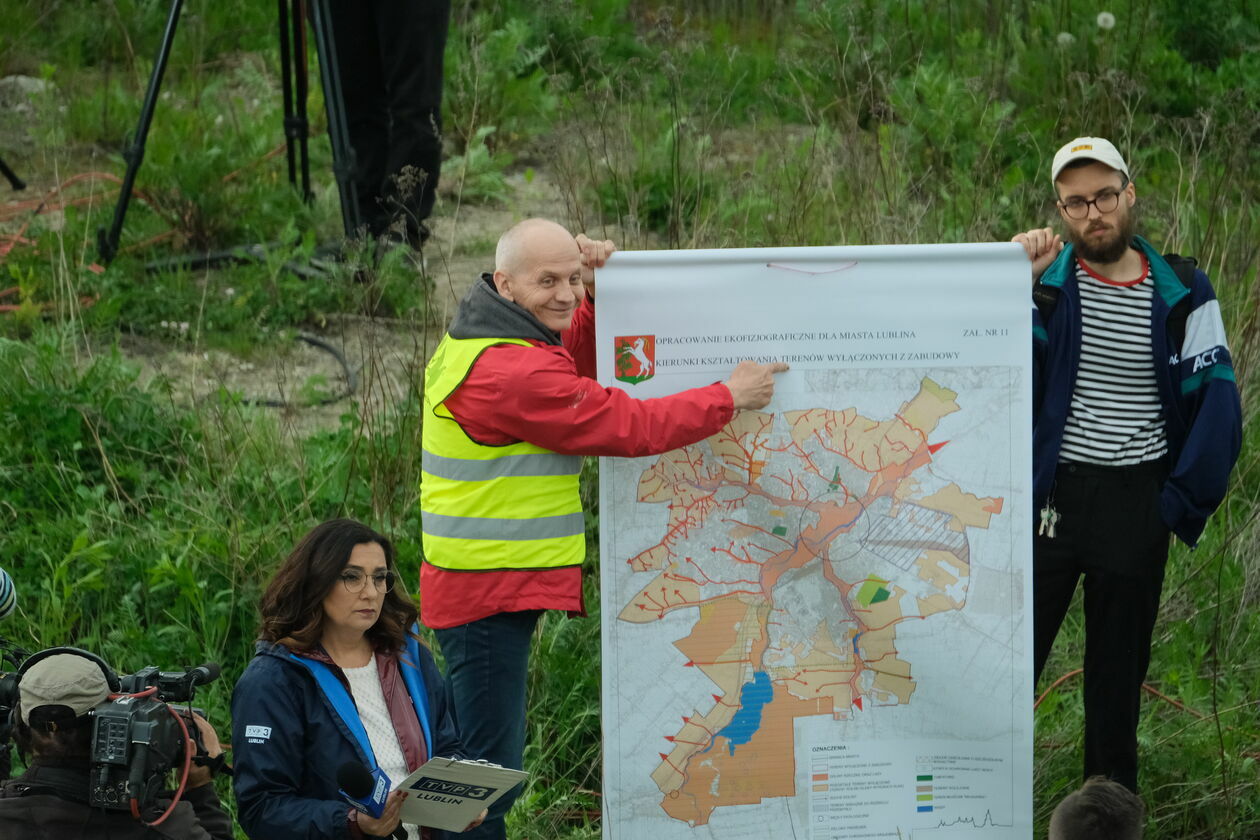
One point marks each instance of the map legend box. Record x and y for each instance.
(857, 786)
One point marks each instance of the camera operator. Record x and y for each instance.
(54, 731)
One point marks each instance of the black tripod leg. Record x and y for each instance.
(286, 89)
(107, 243)
(344, 164)
(303, 90)
(14, 181)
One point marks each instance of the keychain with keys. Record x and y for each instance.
(1049, 518)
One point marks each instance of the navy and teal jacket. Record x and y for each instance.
(1202, 411)
(288, 742)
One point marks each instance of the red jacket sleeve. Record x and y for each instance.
(579, 338)
(535, 394)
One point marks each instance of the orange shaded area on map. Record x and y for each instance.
(740, 445)
(722, 645)
(762, 768)
(667, 591)
(969, 511)
(688, 482)
(882, 448)
(827, 670)
(942, 569)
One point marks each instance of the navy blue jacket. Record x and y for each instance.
(1202, 411)
(288, 742)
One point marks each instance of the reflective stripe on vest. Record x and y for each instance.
(466, 469)
(490, 508)
(344, 705)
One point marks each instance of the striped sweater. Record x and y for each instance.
(1115, 418)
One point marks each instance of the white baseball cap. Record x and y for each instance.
(1088, 148)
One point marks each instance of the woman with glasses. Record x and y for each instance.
(338, 678)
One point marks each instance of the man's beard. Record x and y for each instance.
(1109, 250)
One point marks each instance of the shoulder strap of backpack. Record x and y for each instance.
(1183, 267)
(1046, 299)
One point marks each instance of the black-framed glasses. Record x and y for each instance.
(354, 580)
(1078, 208)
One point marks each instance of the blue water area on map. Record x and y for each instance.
(752, 698)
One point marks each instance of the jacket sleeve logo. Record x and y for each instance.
(635, 357)
(1205, 359)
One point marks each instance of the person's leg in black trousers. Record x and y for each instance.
(1123, 580)
(1056, 570)
(412, 38)
(354, 33)
(1056, 564)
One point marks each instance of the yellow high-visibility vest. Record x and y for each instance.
(491, 508)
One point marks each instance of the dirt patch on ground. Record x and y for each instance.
(294, 379)
(383, 355)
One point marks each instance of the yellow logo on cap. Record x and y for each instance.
(1082, 147)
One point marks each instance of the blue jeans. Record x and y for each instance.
(487, 667)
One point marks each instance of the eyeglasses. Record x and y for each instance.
(354, 581)
(1078, 208)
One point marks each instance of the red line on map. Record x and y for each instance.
(708, 579)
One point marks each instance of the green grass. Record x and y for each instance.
(144, 527)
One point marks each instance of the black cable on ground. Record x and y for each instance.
(352, 379)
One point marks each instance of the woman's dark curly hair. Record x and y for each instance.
(292, 608)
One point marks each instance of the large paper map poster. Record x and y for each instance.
(816, 622)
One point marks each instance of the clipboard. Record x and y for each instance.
(449, 793)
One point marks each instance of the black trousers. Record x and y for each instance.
(389, 59)
(1110, 531)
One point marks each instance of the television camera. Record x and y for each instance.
(138, 737)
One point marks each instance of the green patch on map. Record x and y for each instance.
(873, 591)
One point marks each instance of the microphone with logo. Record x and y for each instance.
(366, 790)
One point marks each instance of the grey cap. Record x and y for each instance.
(63, 679)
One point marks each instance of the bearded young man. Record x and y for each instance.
(1136, 426)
